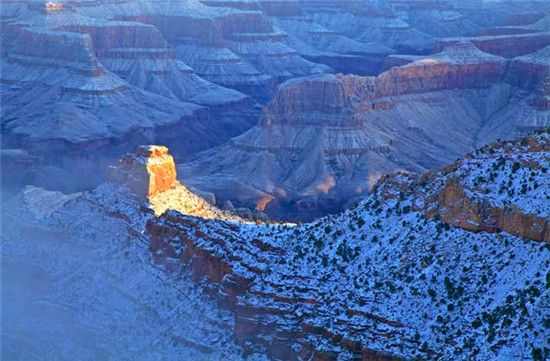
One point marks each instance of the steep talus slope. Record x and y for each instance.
(326, 139)
(472, 264)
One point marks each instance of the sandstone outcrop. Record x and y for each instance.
(467, 195)
(149, 171)
(460, 65)
(507, 46)
(457, 209)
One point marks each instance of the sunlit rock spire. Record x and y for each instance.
(147, 172)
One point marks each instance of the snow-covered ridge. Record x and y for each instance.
(345, 285)
(341, 287)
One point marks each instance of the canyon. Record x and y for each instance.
(275, 180)
(340, 287)
(325, 140)
(101, 77)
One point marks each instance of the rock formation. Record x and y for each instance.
(466, 202)
(148, 172)
(339, 288)
(456, 208)
(530, 70)
(81, 83)
(459, 66)
(326, 139)
(145, 267)
(280, 282)
(234, 47)
(508, 46)
(102, 77)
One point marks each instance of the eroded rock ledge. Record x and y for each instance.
(455, 207)
(465, 195)
(150, 174)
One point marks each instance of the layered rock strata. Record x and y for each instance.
(297, 292)
(148, 172)
(341, 288)
(324, 140)
(84, 84)
(507, 46)
(231, 45)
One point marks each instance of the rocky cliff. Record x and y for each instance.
(461, 65)
(148, 172)
(55, 89)
(448, 242)
(511, 200)
(507, 46)
(233, 45)
(101, 77)
(528, 71)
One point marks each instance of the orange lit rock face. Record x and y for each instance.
(457, 209)
(150, 173)
(162, 172)
(147, 172)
